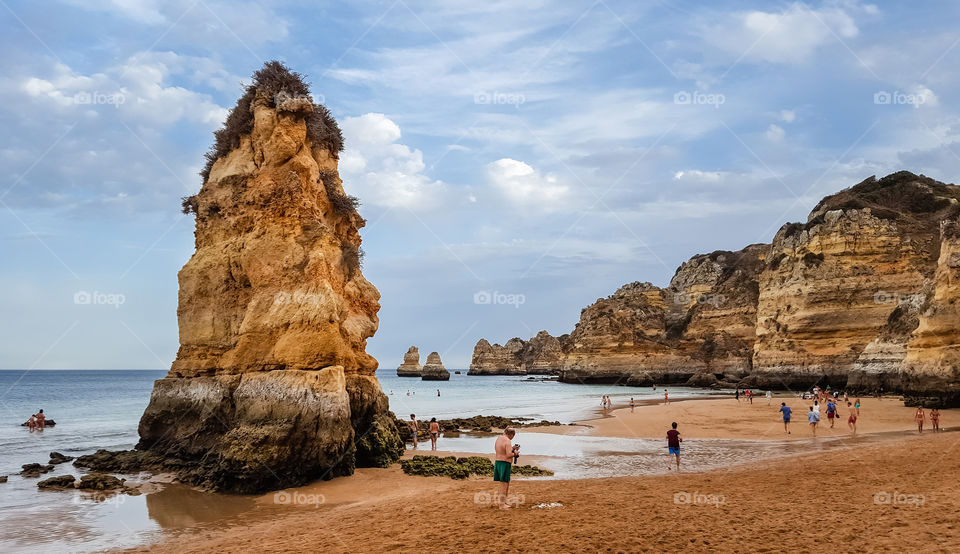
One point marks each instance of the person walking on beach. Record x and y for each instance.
(785, 410)
(434, 433)
(769, 397)
(831, 412)
(737, 395)
(632, 404)
(852, 420)
(673, 444)
(501, 467)
(414, 427)
(814, 418)
(857, 406)
(935, 419)
(666, 397)
(920, 417)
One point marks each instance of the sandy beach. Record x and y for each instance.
(889, 478)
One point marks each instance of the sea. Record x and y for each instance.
(100, 409)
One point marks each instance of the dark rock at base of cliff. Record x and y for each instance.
(58, 458)
(58, 482)
(703, 380)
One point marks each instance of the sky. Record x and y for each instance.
(515, 161)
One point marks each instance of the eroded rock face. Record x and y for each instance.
(411, 364)
(433, 370)
(863, 295)
(541, 355)
(272, 386)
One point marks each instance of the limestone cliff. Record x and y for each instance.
(411, 364)
(863, 295)
(433, 370)
(541, 355)
(702, 323)
(272, 386)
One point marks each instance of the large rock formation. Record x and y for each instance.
(411, 364)
(433, 370)
(272, 386)
(541, 355)
(703, 322)
(863, 295)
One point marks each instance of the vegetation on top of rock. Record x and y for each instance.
(895, 195)
(480, 423)
(285, 90)
(460, 468)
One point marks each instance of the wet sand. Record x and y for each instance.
(887, 488)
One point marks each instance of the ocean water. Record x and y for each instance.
(101, 409)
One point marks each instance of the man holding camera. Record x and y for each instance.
(505, 454)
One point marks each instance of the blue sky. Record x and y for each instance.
(547, 153)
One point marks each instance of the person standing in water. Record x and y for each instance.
(41, 420)
(673, 444)
(434, 433)
(414, 427)
(919, 418)
(501, 467)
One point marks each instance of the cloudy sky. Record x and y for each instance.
(515, 160)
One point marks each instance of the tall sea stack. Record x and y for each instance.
(272, 386)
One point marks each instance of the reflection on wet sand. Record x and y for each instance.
(178, 506)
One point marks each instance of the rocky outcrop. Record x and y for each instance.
(58, 458)
(862, 296)
(58, 482)
(272, 386)
(541, 355)
(702, 323)
(433, 370)
(411, 364)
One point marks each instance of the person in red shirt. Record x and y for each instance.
(673, 443)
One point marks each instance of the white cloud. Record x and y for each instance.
(695, 175)
(788, 116)
(382, 171)
(790, 36)
(524, 186)
(775, 133)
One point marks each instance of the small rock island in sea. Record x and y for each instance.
(272, 386)
(433, 370)
(411, 364)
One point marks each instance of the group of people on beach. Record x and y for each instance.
(37, 421)
(434, 429)
(920, 417)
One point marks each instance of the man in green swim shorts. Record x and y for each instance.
(501, 467)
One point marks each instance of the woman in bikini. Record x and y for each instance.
(434, 433)
(919, 419)
(935, 419)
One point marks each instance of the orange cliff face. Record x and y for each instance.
(863, 296)
(272, 386)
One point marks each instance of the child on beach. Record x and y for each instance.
(673, 444)
(935, 419)
(831, 412)
(785, 410)
(919, 419)
(857, 406)
(813, 417)
(32, 423)
(852, 420)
